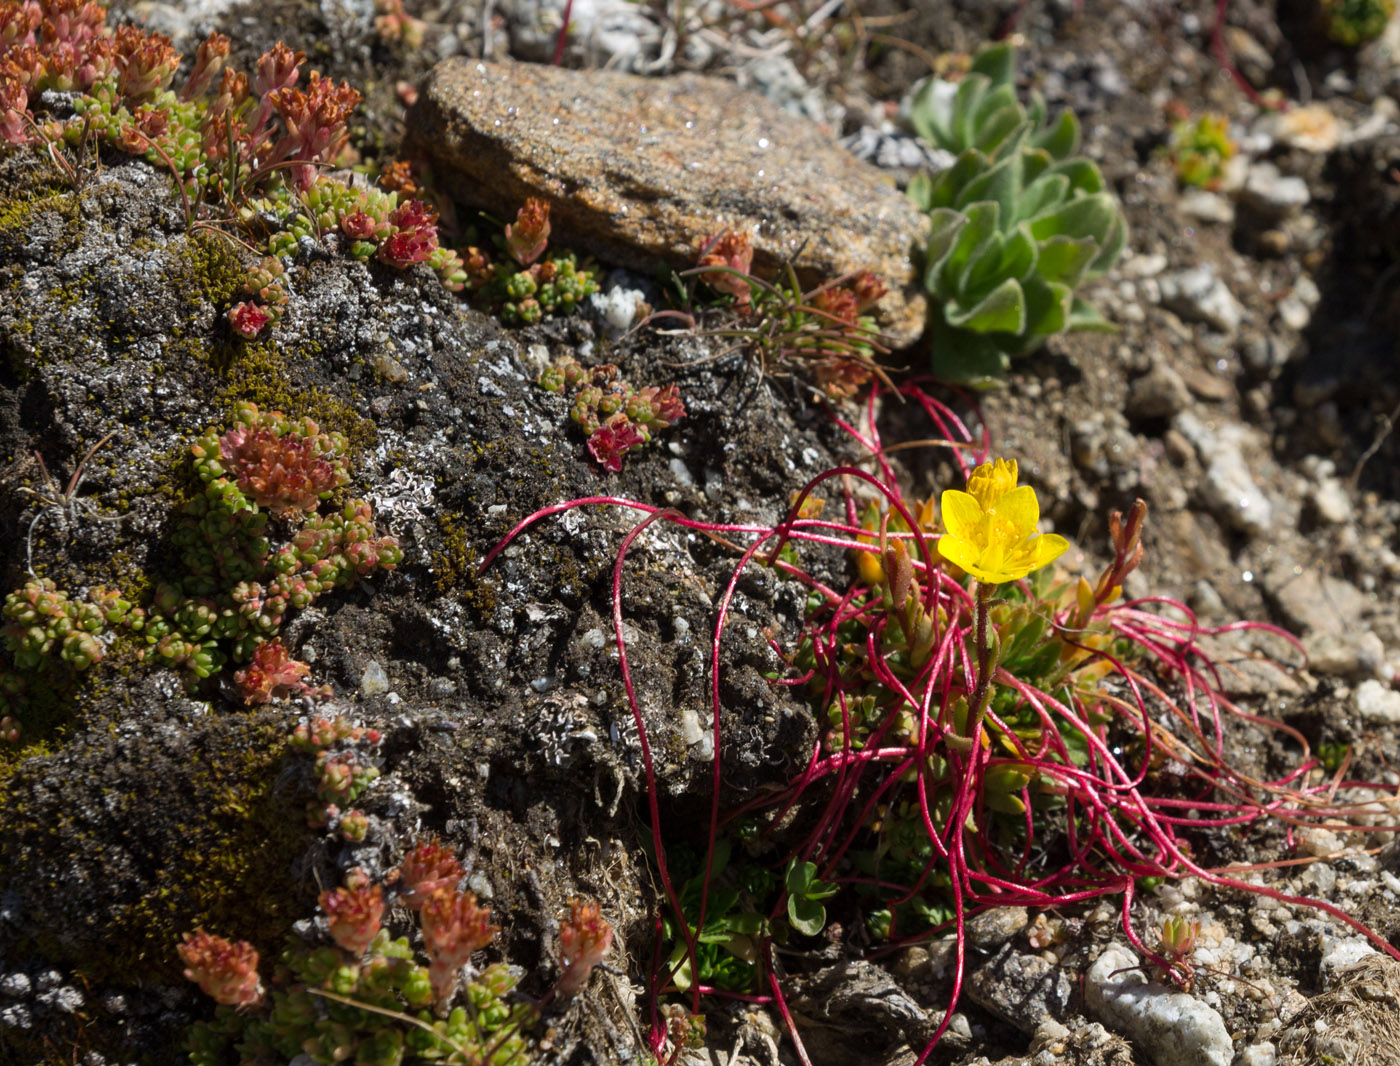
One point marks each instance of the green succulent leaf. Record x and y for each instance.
(960, 357)
(1065, 259)
(1083, 216)
(1048, 305)
(806, 915)
(996, 62)
(1084, 175)
(1060, 139)
(1112, 248)
(1016, 223)
(980, 227)
(1004, 255)
(1044, 194)
(1001, 184)
(1003, 310)
(1084, 316)
(945, 226)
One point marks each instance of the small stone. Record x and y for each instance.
(1293, 313)
(441, 687)
(1262, 355)
(1320, 878)
(1050, 1035)
(1198, 295)
(1160, 393)
(991, 929)
(1021, 989)
(1350, 655)
(1205, 600)
(1377, 702)
(1230, 492)
(644, 171)
(1332, 502)
(65, 999)
(911, 964)
(618, 309)
(1207, 206)
(1206, 384)
(1143, 265)
(1174, 1028)
(1274, 194)
(1339, 955)
(1315, 602)
(1312, 128)
(612, 32)
(374, 681)
(1261, 1054)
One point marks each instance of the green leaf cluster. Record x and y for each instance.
(1018, 223)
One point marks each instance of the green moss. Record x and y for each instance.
(208, 269)
(261, 374)
(213, 846)
(456, 563)
(19, 212)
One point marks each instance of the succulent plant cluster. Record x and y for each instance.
(358, 994)
(49, 639)
(365, 997)
(1354, 22)
(616, 416)
(523, 282)
(373, 224)
(236, 589)
(1200, 147)
(240, 147)
(1018, 222)
(345, 767)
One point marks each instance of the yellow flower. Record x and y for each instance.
(991, 481)
(991, 527)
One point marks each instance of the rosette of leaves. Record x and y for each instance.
(1018, 222)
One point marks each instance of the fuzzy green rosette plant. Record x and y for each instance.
(1018, 222)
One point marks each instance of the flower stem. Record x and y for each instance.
(982, 687)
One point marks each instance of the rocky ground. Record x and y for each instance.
(1248, 396)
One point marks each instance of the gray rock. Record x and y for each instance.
(1314, 602)
(1160, 393)
(1207, 206)
(1198, 295)
(991, 929)
(644, 171)
(1377, 702)
(614, 32)
(1272, 193)
(1230, 492)
(1348, 655)
(1021, 989)
(374, 681)
(1332, 501)
(1339, 956)
(1175, 1029)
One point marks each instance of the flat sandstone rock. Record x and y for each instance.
(641, 171)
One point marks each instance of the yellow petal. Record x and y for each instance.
(991, 481)
(957, 551)
(1046, 548)
(962, 514)
(1020, 507)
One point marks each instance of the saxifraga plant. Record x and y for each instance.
(994, 736)
(1018, 223)
(353, 992)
